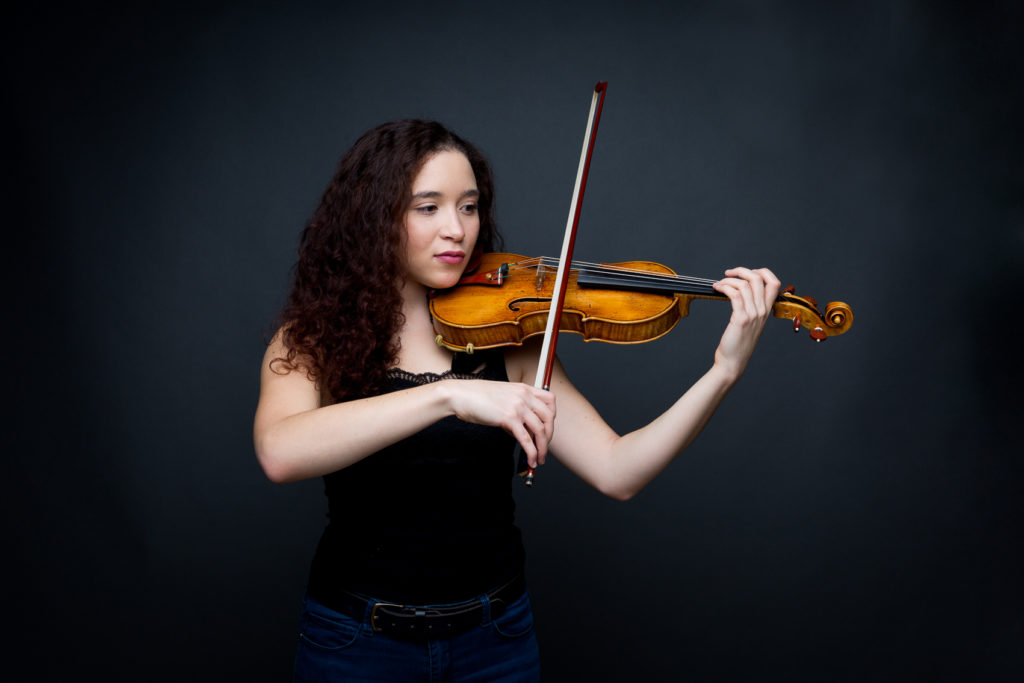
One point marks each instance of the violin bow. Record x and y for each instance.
(547, 351)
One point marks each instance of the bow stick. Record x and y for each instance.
(547, 351)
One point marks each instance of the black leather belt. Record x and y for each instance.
(423, 623)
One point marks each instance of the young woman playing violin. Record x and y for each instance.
(419, 572)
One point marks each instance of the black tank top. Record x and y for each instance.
(429, 519)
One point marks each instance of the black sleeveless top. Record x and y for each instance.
(429, 519)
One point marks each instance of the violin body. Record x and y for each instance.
(484, 315)
(506, 300)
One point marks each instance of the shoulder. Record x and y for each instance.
(280, 360)
(276, 358)
(287, 384)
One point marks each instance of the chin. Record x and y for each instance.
(446, 282)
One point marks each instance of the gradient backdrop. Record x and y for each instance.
(852, 513)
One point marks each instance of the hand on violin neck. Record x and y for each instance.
(525, 412)
(752, 294)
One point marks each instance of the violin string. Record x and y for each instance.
(603, 268)
(628, 275)
(681, 283)
(550, 264)
(649, 275)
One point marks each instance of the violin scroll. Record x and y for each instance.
(803, 311)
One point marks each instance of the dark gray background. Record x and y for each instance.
(854, 510)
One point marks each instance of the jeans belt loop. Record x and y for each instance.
(485, 602)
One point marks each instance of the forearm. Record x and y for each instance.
(330, 438)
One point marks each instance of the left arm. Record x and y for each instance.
(620, 466)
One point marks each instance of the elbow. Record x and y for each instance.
(275, 473)
(275, 466)
(615, 483)
(622, 496)
(618, 491)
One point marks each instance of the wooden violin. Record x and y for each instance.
(507, 299)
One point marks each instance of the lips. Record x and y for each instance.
(451, 257)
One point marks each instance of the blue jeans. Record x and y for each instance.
(336, 647)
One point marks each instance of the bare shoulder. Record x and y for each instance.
(285, 386)
(276, 361)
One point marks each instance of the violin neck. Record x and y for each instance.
(639, 281)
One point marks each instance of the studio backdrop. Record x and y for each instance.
(851, 513)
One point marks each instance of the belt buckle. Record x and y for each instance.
(373, 614)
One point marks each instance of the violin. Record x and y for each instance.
(507, 299)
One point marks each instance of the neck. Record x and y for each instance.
(414, 308)
(417, 351)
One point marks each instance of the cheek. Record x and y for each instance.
(415, 235)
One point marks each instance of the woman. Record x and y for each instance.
(419, 572)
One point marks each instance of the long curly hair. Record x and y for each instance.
(343, 313)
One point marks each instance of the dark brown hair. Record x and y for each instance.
(344, 309)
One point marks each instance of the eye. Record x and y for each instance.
(469, 209)
(426, 209)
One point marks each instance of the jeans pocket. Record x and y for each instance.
(326, 629)
(517, 620)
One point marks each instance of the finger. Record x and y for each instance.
(538, 433)
(548, 425)
(522, 435)
(544, 409)
(765, 287)
(772, 285)
(755, 279)
(528, 419)
(543, 406)
(738, 291)
(545, 397)
(768, 275)
(729, 288)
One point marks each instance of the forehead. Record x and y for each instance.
(447, 169)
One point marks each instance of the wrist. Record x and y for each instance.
(724, 374)
(444, 396)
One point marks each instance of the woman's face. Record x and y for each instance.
(442, 221)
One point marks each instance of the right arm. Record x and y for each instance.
(296, 437)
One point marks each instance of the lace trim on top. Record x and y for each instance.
(429, 377)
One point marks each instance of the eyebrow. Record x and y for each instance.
(433, 194)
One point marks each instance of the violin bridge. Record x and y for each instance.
(539, 280)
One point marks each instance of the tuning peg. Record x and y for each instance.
(818, 334)
(796, 323)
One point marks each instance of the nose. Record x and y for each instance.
(453, 228)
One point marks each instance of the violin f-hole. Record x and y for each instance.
(512, 305)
